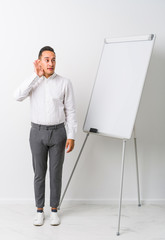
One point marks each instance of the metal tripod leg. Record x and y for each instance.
(73, 171)
(137, 172)
(121, 185)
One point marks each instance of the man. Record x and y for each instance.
(52, 105)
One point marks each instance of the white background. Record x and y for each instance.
(76, 30)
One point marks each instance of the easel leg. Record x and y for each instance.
(121, 185)
(73, 171)
(137, 172)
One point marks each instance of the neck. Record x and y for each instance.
(48, 75)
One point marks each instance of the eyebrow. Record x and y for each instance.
(52, 58)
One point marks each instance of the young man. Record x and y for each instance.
(52, 105)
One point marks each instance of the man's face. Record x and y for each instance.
(48, 62)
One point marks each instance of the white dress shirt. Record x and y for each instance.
(52, 101)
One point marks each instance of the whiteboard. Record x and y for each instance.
(118, 86)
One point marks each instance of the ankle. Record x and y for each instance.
(40, 210)
(54, 209)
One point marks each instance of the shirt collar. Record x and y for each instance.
(53, 75)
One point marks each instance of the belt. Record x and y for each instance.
(47, 127)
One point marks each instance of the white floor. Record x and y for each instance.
(83, 222)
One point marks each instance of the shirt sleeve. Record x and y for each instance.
(70, 111)
(23, 91)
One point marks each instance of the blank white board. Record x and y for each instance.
(118, 86)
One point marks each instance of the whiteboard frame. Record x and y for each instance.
(149, 37)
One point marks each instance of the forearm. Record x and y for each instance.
(25, 88)
(71, 123)
(70, 111)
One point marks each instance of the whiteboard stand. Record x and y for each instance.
(121, 184)
(137, 168)
(73, 171)
(122, 176)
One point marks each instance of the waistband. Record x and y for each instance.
(46, 127)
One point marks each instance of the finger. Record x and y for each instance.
(35, 63)
(66, 145)
(69, 149)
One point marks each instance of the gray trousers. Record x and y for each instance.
(46, 140)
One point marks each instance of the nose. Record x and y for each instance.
(50, 63)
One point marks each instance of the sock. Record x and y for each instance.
(54, 209)
(40, 210)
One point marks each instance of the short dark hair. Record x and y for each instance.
(46, 48)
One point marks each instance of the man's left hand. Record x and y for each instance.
(69, 145)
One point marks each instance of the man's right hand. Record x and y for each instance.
(38, 68)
